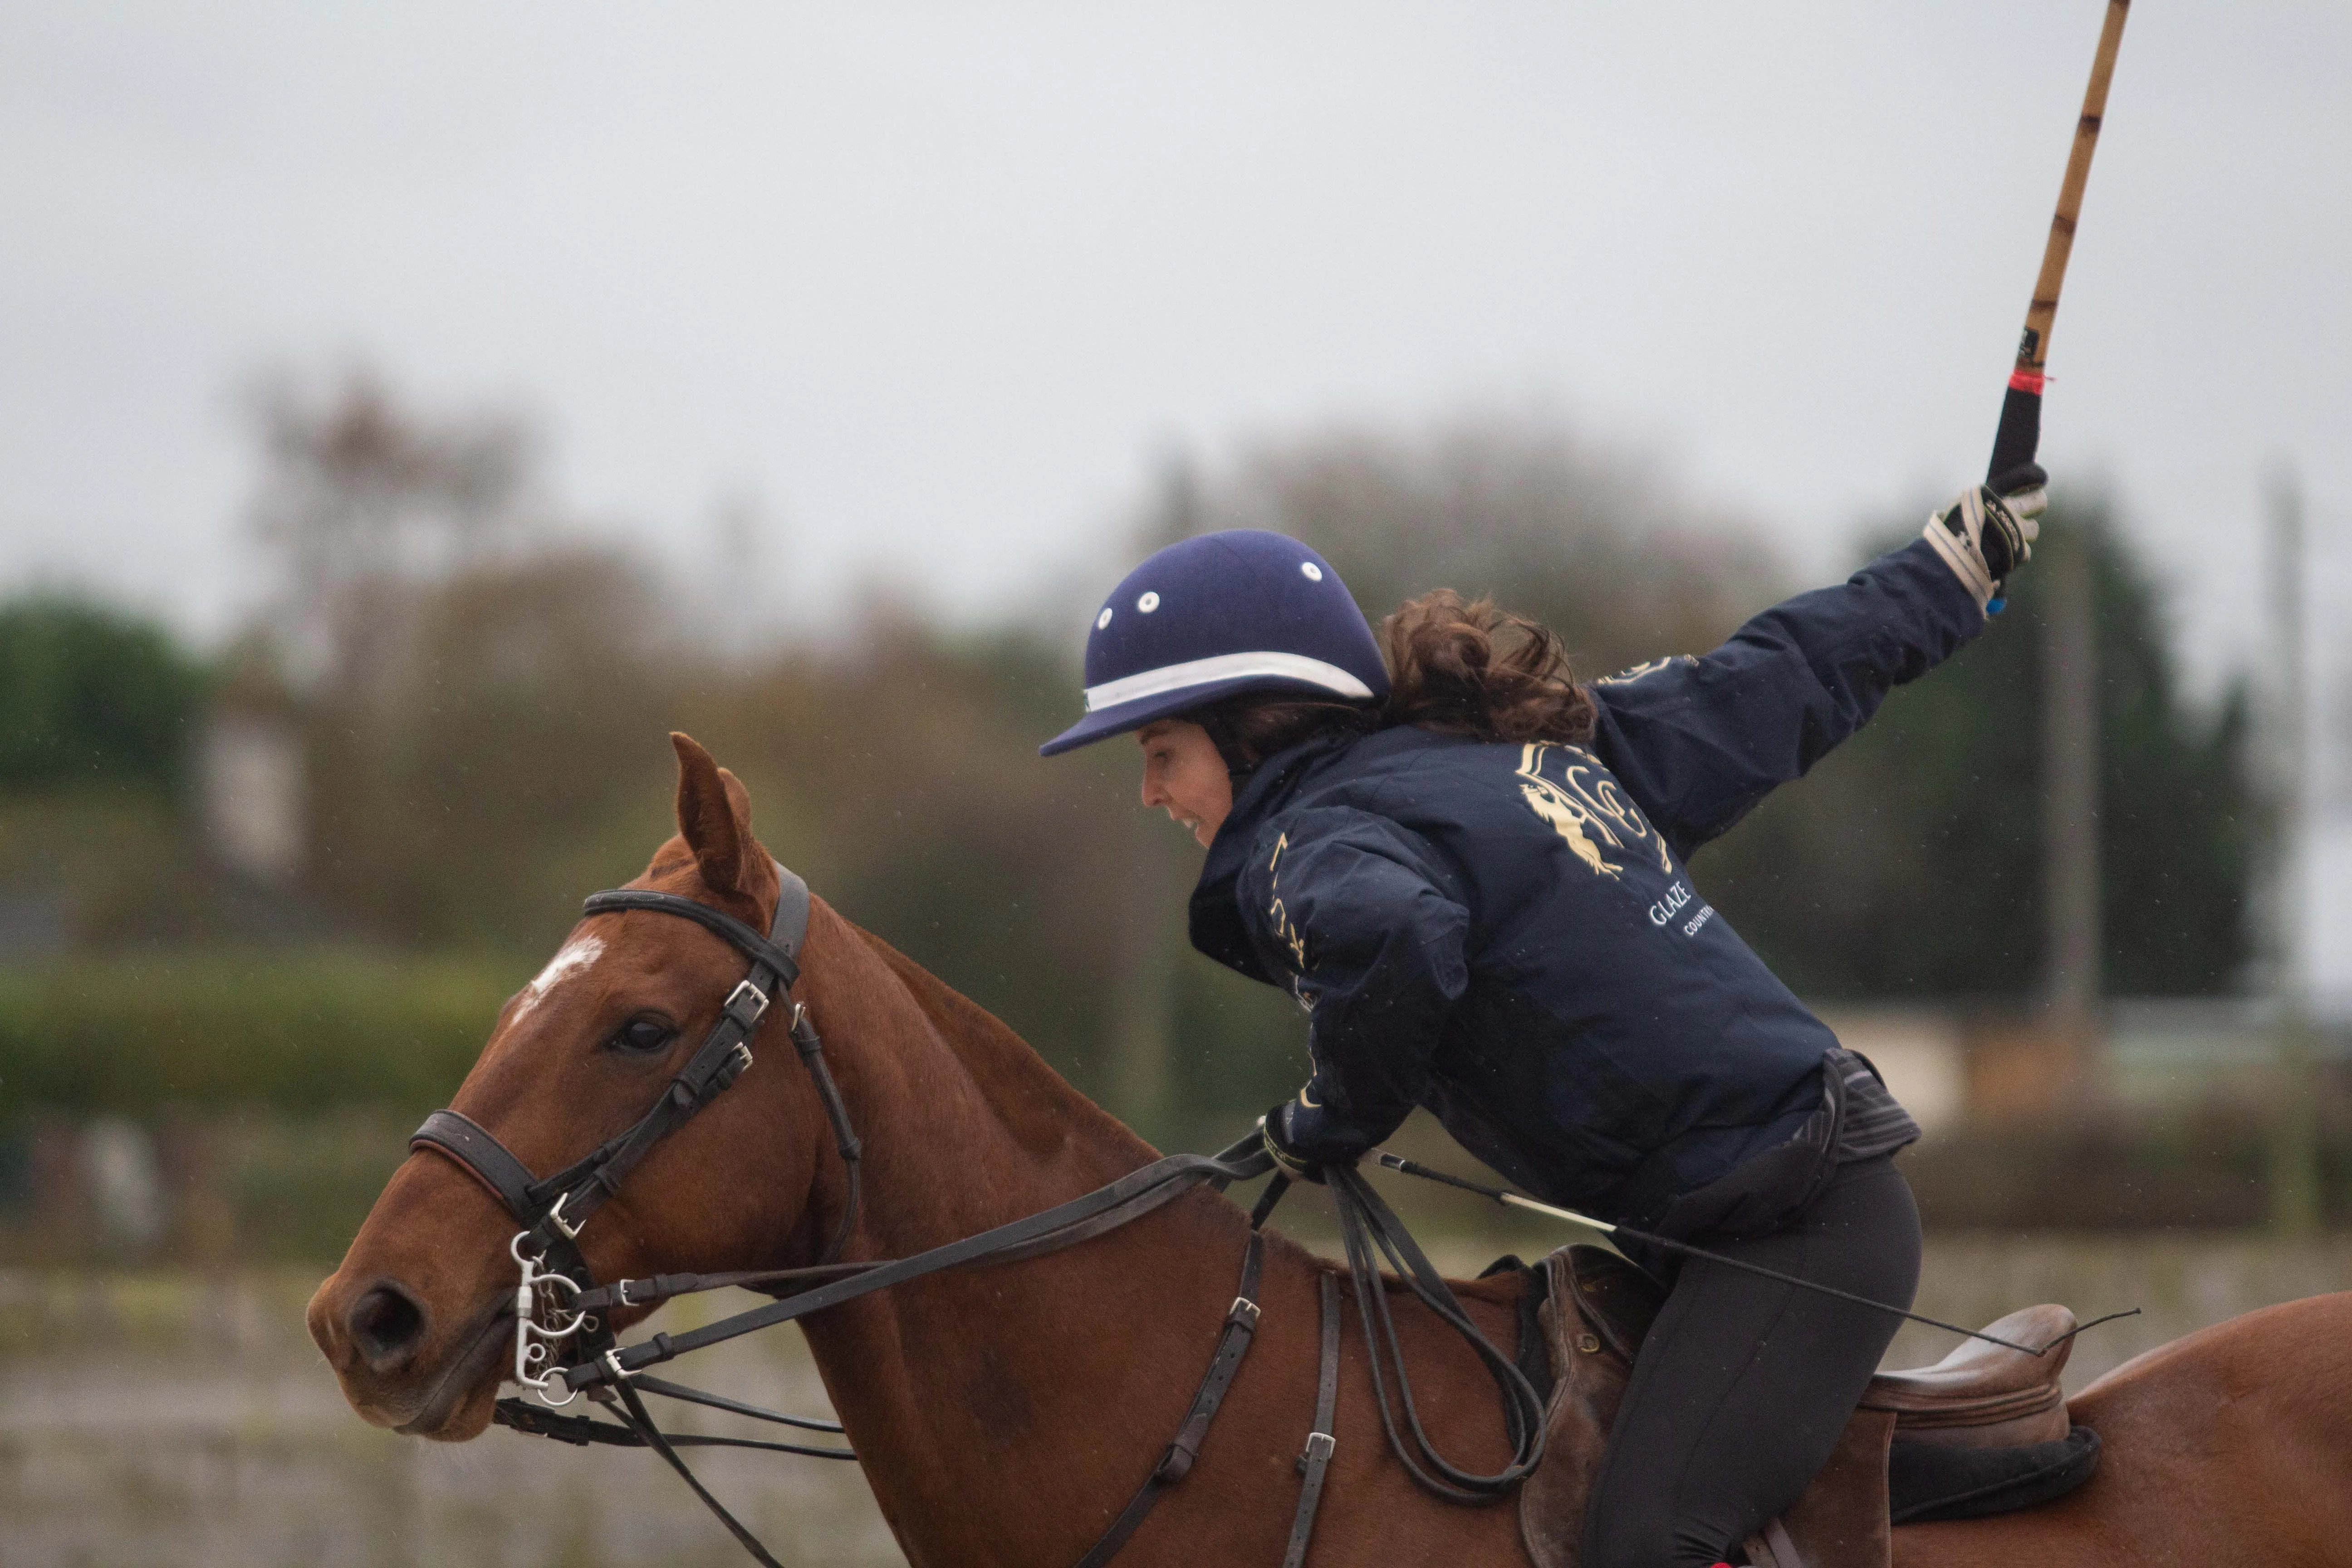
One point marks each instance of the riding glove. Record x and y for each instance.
(1273, 1127)
(1988, 531)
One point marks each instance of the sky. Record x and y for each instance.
(935, 289)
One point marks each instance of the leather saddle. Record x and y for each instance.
(1983, 1431)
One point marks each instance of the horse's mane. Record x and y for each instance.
(1041, 1107)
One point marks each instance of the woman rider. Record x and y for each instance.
(1471, 871)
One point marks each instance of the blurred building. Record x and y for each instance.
(250, 794)
(1958, 1068)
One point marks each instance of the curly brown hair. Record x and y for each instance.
(1457, 666)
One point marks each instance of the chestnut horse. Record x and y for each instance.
(1004, 1414)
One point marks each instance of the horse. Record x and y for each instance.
(1004, 1414)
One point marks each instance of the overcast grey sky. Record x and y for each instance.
(938, 284)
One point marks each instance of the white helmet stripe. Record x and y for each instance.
(1223, 666)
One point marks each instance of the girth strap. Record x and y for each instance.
(1315, 1458)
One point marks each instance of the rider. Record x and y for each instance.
(1470, 870)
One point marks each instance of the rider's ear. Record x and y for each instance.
(714, 813)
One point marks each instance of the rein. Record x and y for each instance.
(558, 1299)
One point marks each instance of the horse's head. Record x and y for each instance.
(418, 1322)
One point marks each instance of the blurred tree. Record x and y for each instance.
(92, 698)
(100, 712)
(365, 497)
(1588, 541)
(900, 775)
(470, 792)
(484, 696)
(1909, 863)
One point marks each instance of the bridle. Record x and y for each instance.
(558, 1300)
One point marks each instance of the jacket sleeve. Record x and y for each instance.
(1355, 912)
(1698, 742)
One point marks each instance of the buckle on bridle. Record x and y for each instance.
(555, 1218)
(610, 1362)
(746, 1012)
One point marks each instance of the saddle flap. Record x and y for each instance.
(1617, 1298)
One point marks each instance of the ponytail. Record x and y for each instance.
(1463, 668)
(1456, 666)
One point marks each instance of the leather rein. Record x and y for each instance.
(559, 1305)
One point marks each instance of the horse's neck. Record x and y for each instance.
(959, 1390)
(964, 1126)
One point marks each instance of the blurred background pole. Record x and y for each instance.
(1142, 1002)
(1160, 874)
(2070, 796)
(2294, 1143)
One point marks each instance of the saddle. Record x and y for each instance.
(1983, 1431)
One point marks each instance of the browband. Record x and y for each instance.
(779, 950)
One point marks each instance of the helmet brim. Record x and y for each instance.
(1123, 717)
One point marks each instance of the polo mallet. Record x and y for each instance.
(2021, 411)
(1551, 1211)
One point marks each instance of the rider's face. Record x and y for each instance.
(1182, 772)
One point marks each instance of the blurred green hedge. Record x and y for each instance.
(208, 1031)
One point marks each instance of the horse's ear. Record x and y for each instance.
(714, 814)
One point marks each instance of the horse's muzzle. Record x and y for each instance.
(397, 1369)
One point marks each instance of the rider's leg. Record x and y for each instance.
(1745, 1384)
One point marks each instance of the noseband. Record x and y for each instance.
(552, 1209)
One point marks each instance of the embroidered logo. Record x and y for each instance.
(1276, 916)
(1585, 807)
(1627, 677)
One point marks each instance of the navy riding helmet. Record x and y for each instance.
(1244, 610)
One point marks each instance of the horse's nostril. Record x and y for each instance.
(386, 1325)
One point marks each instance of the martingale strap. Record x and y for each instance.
(1315, 1458)
(1176, 1463)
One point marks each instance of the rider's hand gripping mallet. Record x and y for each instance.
(2020, 412)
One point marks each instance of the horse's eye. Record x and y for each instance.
(644, 1035)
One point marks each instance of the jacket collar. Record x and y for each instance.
(1215, 920)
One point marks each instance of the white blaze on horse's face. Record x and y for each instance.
(569, 960)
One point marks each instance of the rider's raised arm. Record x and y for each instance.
(1698, 741)
(1353, 911)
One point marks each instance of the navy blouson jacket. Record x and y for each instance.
(1509, 934)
